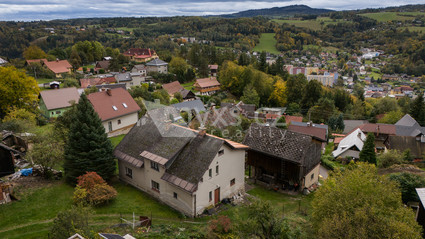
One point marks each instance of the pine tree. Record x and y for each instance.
(88, 148)
(368, 152)
(417, 109)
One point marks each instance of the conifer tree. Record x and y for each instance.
(368, 152)
(417, 110)
(88, 148)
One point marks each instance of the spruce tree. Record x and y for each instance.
(417, 110)
(88, 148)
(368, 151)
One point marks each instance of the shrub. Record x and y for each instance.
(326, 161)
(80, 196)
(69, 222)
(407, 183)
(390, 158)
(101, 194)
(89, 180)
(221, 225)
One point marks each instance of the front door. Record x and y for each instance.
(216, 195)
(110, 126)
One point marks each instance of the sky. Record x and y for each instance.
(28, 10)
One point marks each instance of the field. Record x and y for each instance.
(267, 43)
(415, 29)
(392, 16)
(314, 25)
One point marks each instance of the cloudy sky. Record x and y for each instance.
(62, 9)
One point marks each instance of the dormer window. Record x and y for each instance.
(125, 105)
(114, 107)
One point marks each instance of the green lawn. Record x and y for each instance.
(116, 140)
(309, 24)
(415, 29)
(267, 43)
(392, 16)
(44, 80)
(188, 85)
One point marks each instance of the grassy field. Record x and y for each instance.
(188, 86)
(392, 16)
(267, 43)
(116, 140)
(314, 25)
(415, 29)
(43, 80)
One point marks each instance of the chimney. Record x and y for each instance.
(108, 91)
(377, 131)
(202, 131)
(57, 59)
(309, 123)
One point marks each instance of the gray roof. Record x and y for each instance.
(157, 62)
(110, 86)
(196, 105)
(189, 154)
(123, 77)
(407, 120)
(350, 125)
(421, 194)
(284, 144)
(322, 126)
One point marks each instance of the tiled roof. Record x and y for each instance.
(157, 62)
(355, 139)
(319, 133)
(60, 98)
(289, 119)
(207, 82)
(407, 120)
(103, 64)
(280, 143)
(213, 67)
(139, 52)
(389, 129)
(172, 87)
(196, 105)
(118, 103)
(350, 125)
(36, 61)
(58, 67)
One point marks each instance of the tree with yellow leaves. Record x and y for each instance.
(279, 94)
(17, 90)
(34, 52)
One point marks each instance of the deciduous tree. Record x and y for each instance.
(34, 52)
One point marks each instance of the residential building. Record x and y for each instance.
(59, 67)
(175, 87)
(157, 65)
(420, 214)
(88, 82)
(207, 86)
(186, 169)
(54, 103)
(102, 65)
(189, 106)
(351, 145)
(213, 70)
(116, 108)
(319, 131)
(140, 54)
(326, 80)
(130, 79)
(283, 158)
(142, 69)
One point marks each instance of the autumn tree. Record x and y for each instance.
(279, 94)
(359, 203)
(88, 147)
(34, 52)
(17, 90)
(367, 154)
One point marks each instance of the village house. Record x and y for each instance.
(102, 65)
(116, 108)
(54, 103)
(207, 86)
(130, 79)
(142, 69)
(186, 169)
(213, 70)
(157, 65)
(88, 82)
(319, 131)
(58, 67)
(381, 132)
(282, 158)
(140, 54)
(175, 87)
(351, 145)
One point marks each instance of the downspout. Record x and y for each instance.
(194, 206)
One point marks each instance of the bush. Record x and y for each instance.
(326, 161)
(407, 183)
(93, 190)
(390, 158)
(221, 225)
(69, 222)
(89, 180)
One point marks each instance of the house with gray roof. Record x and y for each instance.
(186, 169)
(282, 158)
(157, 65)
(188, 106)
(130, 78)
(351, 145)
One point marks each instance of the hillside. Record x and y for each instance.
(278, 12)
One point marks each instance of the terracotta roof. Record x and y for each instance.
(58, 66)
(139, 52)
(337, 140)
(96, 81)
(59, 98)
(389, 129)
(36, 60)
(102, 64)
(317, 132)
(172, 87)
(213, 67)
(118, 103)
(207, 82)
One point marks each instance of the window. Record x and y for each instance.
(128, 172)
(58, 112)
(125, 105)
(53, 113)
(216, 170)
(114, 107)
(210, 172)
(210, 196)
(232, 182)
(221, 152)
(175, 195)
(155, 186)
(119, 121)
(312, 176)
(155, 165)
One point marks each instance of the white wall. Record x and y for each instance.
(312, 177)
(126, 120)
(231, 165)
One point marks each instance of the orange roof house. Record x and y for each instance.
(141, 54)
(207, 86)
(58, 67)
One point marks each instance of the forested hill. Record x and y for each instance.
(279, 12)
